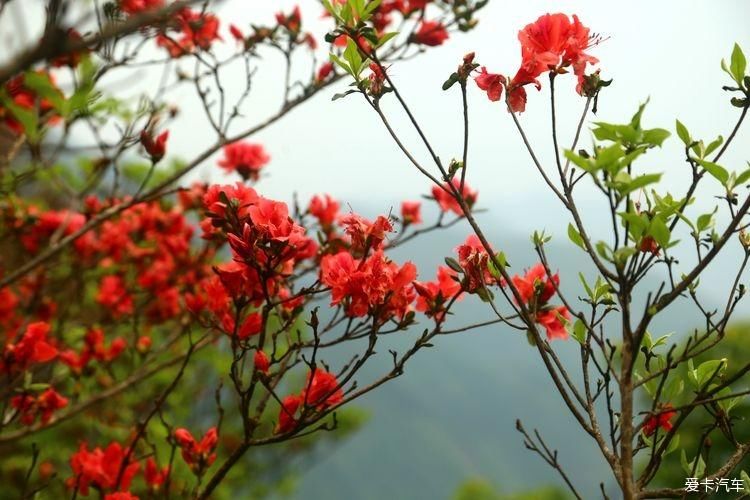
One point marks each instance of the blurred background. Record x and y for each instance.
(451, 417)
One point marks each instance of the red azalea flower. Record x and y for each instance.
(100, 468)
(237, 33)
(365, 234)
(377, 285)
(292, 21)
(120, 495)
(198, 455)
(261, 361)
(43, 406)
(660, 420)
(431, 33)
(325, 209)
(552, 321)
(325, 70)
(154, 476)
(491, 83)
(649, 245)
(71, 59)
(155, 147)
(138, 6)
(377, 80)
(474, 260)
(322, 389)
(245, 158)
(197, 30)
(434, 295)
(446, 200)
(113, 295)
(32, 348)
(287, 412)
(410, 212)
(536, 286)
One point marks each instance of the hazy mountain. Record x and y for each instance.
(451, 416)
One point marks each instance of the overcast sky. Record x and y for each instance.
(667, 50)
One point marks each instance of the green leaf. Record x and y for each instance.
(579, 161)
(575, 236)
(682, 133)
(640, 182)
(743, 177)
(705, 221)
(586, 285)
(737, 64)
(385, 38)
(713, 146)
(659, 231)
(579, 331)
(655, 136)
(716, 171)
(494, 271)
(706, 370)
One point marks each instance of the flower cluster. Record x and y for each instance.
(373, 286)
(321, 391)
(245, 158)
(22, 99)
(101, 469)
(536, 288)
(553, 43)
(198, 455)
(42, 406)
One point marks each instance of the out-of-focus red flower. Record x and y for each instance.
(25, 98)
(291, 21)
(310, 41)
(153, 475)
(71, 59)
(661, 420)
(250, 326)
(287, 414)
(261, 361)
(410, 212)
(649, 245)
(325, 70)
(42, 406)
(322, 389)
(198, 455)
(325, 209)
(32, 348)
(156, 147)
(138, 6)
(113, 295)
(101, 468)
(448, 203)
(430, 33)
(120, 495)
(245, 158)
(237, 34)
(197, 30)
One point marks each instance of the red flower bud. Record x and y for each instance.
(156, 148)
